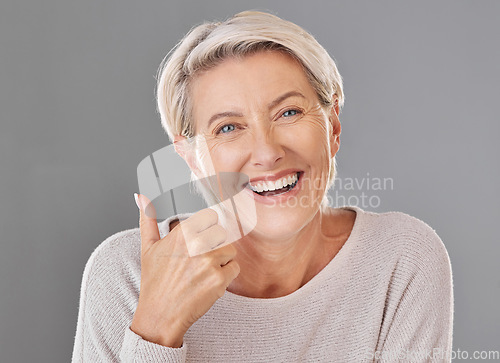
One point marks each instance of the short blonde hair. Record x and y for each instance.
(248, 32)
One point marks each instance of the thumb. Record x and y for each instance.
(147, 222)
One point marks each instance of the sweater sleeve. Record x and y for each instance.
(418, 315)
(108, 299)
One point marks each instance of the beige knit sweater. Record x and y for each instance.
(386, 295)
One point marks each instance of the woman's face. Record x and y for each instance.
(260, 116)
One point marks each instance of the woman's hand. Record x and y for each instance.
(176, 289)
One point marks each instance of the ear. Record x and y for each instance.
(183, 149)
(178, 140)
(335, 127)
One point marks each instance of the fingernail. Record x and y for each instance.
(137, 201)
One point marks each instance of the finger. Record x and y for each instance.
(212, 237)
(223, 255)
(226, 254)
(231, 270)
(206, 240)
(200, 221)
(147, 223)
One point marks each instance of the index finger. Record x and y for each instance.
(200, 221)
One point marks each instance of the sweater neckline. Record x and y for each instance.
(335, 263)
(329, 270)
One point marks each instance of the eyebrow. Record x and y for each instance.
(284, 96)
(274, 103)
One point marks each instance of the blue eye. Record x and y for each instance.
(226, 128)
(289, 113)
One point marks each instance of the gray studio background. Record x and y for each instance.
(78, 114)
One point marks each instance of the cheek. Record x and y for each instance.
(227, 156)
(309, 140)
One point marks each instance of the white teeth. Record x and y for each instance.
(270, 185)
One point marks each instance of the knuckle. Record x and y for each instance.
(175, 236)
(195, 241)
(208, 217)
(220, 233)
(184, 229)
(229, 251)
(212, 215)
(218, 280)
(206, 264)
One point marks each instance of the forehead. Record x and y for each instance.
(251, 80)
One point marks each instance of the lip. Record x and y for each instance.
(274, 177)
(277, 198)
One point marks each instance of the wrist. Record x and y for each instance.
(172, 338)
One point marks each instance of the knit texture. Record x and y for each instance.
(387, 295)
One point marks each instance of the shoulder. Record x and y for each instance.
(413, 270)
(419, 253)
(120, 253)
(118, 257)
(111, 282)
(121, 247)
(112, 268)
(400, 230)
(404, 242)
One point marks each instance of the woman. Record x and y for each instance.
(309, 282)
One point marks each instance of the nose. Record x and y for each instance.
(267, 150)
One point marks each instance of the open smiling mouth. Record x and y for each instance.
(278, 187)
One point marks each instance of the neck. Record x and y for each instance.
(274, 268)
